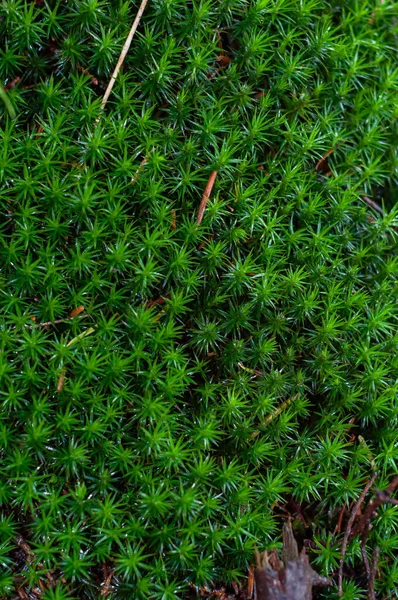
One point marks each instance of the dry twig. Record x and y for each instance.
(347, 534)
(30, 560)
(381, 498)
(74, 313)
(365, 558)
(362, 526)
(372, 577)
(123, 53)
(254, 372)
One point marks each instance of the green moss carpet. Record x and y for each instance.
(223, 374)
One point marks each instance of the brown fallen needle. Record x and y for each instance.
(205, 196)
(123, 53)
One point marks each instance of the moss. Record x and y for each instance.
(221, 373)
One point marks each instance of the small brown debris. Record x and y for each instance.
(106, 586)
(161, 300)
(11, 84)
(140, 167)
(235, 587)
(224, 60)
(138, 171)
(94, 80)
(173, 220)
(76, 311)
(322, 164)
(219, 43)
(61, 381)
(250, 582)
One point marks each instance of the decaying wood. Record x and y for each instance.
(293, 580)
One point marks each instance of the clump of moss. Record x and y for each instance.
(222, 371)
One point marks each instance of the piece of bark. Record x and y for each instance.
(292, 581)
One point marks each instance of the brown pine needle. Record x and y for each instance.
(123, 53)
(205, 196)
